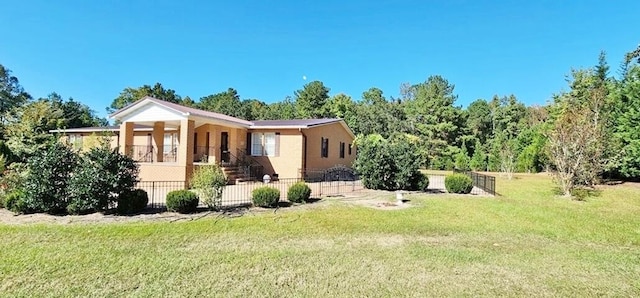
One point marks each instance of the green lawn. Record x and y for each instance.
(526, 242)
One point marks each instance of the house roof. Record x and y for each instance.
(257, 124)
(136, 127)
(182, 109)
(295, 123)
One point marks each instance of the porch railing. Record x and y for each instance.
(141, 153)
(250, 167)
(202, 153)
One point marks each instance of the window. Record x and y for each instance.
(75, 140)
(265, 144)
(350, 146)
(170, 143)
(341, 150)
(324, 150)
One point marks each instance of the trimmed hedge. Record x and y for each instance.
(299, 193)
(265, 197)
(458, 183)
(132, 201)
(182, 201)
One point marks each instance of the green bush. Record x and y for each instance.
(298, 193)
(423, 182)
(46, 185)
(265, 196)
(182, 201)
(132, 201)
(388, 164)
(14, 201)
(458, 183)
(209, 181)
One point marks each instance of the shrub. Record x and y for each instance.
(132, 201)
(46, 184)
(298, 193)
(458, 183)
(182, 201)
(209, 181)
(101, 177)
(388, 165)
(423, 182)
(265, 196)
(14, 201)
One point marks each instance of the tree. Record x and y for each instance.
(626, 120)
(311, 99)
(130, 95)
(577, 139)
(340, 106)
(431, 114)
(283, 110)
(28, 129)
(479, 120)
(12, 96)
(74, 114)
(227, 103)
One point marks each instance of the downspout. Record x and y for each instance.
(304, 153)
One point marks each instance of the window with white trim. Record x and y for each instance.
(170, 143)
(75, 140)
(264, 144)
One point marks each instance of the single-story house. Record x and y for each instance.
(169, 140)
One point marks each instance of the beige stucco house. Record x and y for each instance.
(169, 140)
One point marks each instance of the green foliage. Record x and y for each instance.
(311, 100)
(388, 165)
(131, 202)
(478, 161)
(462, 160)
(626, 120)
(12, 96)
(100, 178)
(227, 103)
(209, 181)
(423, 182)
(299, 193)
(130, 95)
(15, 201)
(265, 196)
(458, 183)
(182, 201)
(28, 129)
(46, 185)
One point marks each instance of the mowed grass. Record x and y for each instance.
(526, 242)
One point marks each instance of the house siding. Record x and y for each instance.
(289, 160)
(336, 133)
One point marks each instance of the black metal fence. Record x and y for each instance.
(484, 182)
(240, 194)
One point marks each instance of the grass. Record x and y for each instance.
(527, 242)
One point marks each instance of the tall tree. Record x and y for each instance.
(227, 103)
(12, 96)
(625, 124)
(434, 117)
(311, 99)
(130, 95)
(479, 120)
(74, 113)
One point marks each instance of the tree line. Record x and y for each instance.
(584, 134)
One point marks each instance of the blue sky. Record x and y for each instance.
(91, 50)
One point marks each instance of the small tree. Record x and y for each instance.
(209, 181)
(462, 160)
(478, 160)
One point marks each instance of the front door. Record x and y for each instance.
(224, 147)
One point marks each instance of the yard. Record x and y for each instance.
(526, 242)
